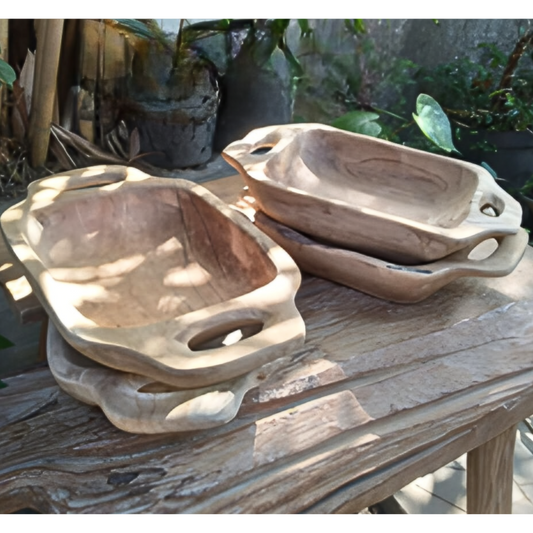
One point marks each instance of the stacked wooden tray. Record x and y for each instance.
(385, 219)
(157, 284)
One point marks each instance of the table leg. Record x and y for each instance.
(489, 475)
(42, 340)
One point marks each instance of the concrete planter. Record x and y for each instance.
(175, 110)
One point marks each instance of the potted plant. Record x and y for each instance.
(174, 93)
(171, 96)
(258, 84)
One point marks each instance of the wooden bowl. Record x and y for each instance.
(369, 195)
(155, 276)
(136, 403)
(390, 281)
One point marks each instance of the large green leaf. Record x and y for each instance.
(434, 123)
(363, 122)
(4, 343)
(7, 74)
(2, 384)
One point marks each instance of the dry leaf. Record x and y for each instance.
(26, 79)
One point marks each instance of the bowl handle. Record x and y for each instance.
(126, 403)
(492, 207)
(249, 150)
(503, 261)
(82, 178)
(217, 351)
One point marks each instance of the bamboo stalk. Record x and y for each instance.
(100, 76)
(4, 39)
(88, 69)
(69, 68)
(49, 37)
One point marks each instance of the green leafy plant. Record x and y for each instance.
(363, 122)
(429, 116)
(494, 93)
(145, 30)
(434, 123)
(263, 35)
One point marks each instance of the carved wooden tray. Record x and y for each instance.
(390, 281)
(136, 403)
(155, 276)
(373, 196)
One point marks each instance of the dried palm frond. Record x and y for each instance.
(72, 149)
(15, 170)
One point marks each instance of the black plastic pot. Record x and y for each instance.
(253, 96)
(511, 156)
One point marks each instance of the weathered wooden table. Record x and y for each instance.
(381, 394)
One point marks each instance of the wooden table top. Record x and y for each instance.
(381, 394)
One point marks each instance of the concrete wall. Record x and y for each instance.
(414, 37)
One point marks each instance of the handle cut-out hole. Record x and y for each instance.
(26, 513)
(261, 150)
(490, 210)
(225, 335)
(155, 387)
(483, 250)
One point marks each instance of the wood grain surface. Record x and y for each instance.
(144, 274)
(489, 481)
(369, 195)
